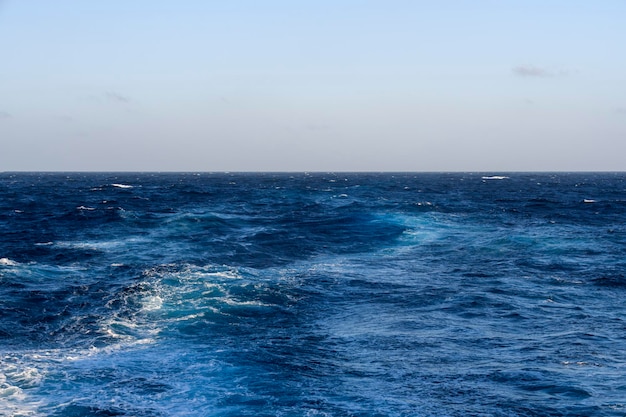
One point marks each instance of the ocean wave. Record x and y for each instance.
(264, 294)
(105, 245)
(495, 177)
(7, 262)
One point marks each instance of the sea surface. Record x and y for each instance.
(312, 294)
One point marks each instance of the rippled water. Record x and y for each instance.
(312, 294)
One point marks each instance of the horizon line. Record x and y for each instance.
(311, 172)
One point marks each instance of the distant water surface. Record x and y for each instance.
(461, 294)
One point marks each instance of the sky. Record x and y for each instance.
(324, 85)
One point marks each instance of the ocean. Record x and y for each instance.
(312, 294)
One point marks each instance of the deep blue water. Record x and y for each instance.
(312, 294)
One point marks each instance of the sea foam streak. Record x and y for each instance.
(495, 177)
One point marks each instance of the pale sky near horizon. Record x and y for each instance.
(342, 85)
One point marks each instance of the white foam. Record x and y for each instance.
(588, 201)
(11, 391)
(495, 177)
(152, 303)
(28, 376)
(193, 316)
(228, 274)
(121, 186)
(103, 244)
(21, 374)
(14, 401)
(232, 302)
(85, 208)
(128, 332)
(7, 262)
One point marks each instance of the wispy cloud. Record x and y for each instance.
(531, 71)
(621, 110)
(4, 115)
(117, 98)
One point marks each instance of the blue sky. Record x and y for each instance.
(275, 85)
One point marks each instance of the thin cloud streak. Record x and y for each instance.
(531, 71)
(4, 115)
(117, 98)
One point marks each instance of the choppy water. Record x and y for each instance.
(312, 294)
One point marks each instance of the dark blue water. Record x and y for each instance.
(312, 294)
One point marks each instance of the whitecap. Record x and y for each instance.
(495, 177)
(233, 302)
(11, 391)
(85, 208)
(229, 274)
(121, 186)
(152, 303)
(588, 201)
(7, 262)
(13, 399)
(103, 245)
(28, 376)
